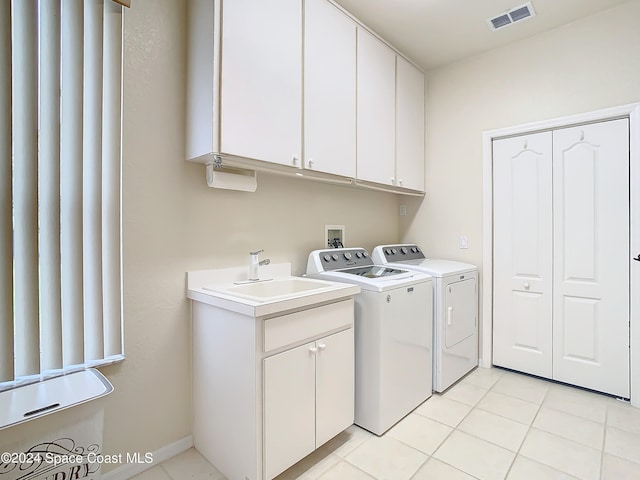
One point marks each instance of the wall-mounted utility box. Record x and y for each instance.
(334, 236)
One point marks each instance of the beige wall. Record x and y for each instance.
(587, 65)
(173, 223)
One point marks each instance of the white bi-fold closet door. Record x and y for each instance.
(561, 255)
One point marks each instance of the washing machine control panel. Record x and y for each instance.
(399, 253)
(340, 258)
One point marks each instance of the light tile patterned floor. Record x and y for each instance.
(492, 425)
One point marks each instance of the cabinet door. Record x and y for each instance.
(376, 101)
(329, 89)
(289, 408)
(261, 81)
(335, 383)
(591, 256)
(409, 126)
(523, 253)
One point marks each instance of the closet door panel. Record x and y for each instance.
(591, 264)
(522, 309)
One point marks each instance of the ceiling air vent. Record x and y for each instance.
(514, 15)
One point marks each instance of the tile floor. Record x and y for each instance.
(492, 425)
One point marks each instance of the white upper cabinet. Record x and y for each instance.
(329, 89)
(376, 101)
(261, 86)
(269, 82)
(410, 130)
(244, 87)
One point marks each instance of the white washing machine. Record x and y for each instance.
(393, 334)
(455, 315)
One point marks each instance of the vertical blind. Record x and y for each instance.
(60, 151)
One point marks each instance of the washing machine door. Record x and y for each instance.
(461, 310)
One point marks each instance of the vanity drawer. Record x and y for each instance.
(307, 324)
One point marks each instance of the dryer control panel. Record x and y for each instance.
(337, 259)
(402, 252)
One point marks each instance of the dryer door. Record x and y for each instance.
(461, 311)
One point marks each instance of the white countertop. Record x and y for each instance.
(209, 287)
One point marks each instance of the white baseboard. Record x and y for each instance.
(128, 470)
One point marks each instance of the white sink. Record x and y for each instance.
(273, 290)
(228, 289)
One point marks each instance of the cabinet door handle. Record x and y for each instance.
(322, 346)
(295, 160)
(310, 163)
(313, 349)
(527, 286)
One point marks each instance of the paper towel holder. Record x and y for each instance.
(230, 179)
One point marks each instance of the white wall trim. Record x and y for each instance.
(632, 111)
(128, 470)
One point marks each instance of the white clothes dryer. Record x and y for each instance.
(393, 334)
(455, 315)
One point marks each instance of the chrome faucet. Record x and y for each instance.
(254, 263)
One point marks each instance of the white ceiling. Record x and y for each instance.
(436, 32)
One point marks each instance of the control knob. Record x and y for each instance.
(326, 258)
(404, 250)
(335, 256)
(347, 255)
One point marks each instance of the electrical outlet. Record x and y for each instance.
(463, 242)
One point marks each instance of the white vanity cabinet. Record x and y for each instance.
(244, 89)
(269, 390)
(308, 398)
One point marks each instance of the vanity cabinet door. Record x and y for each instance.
(289, 408)
(308, 398)
(334, 385)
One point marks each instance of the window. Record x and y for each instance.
(60, 142)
